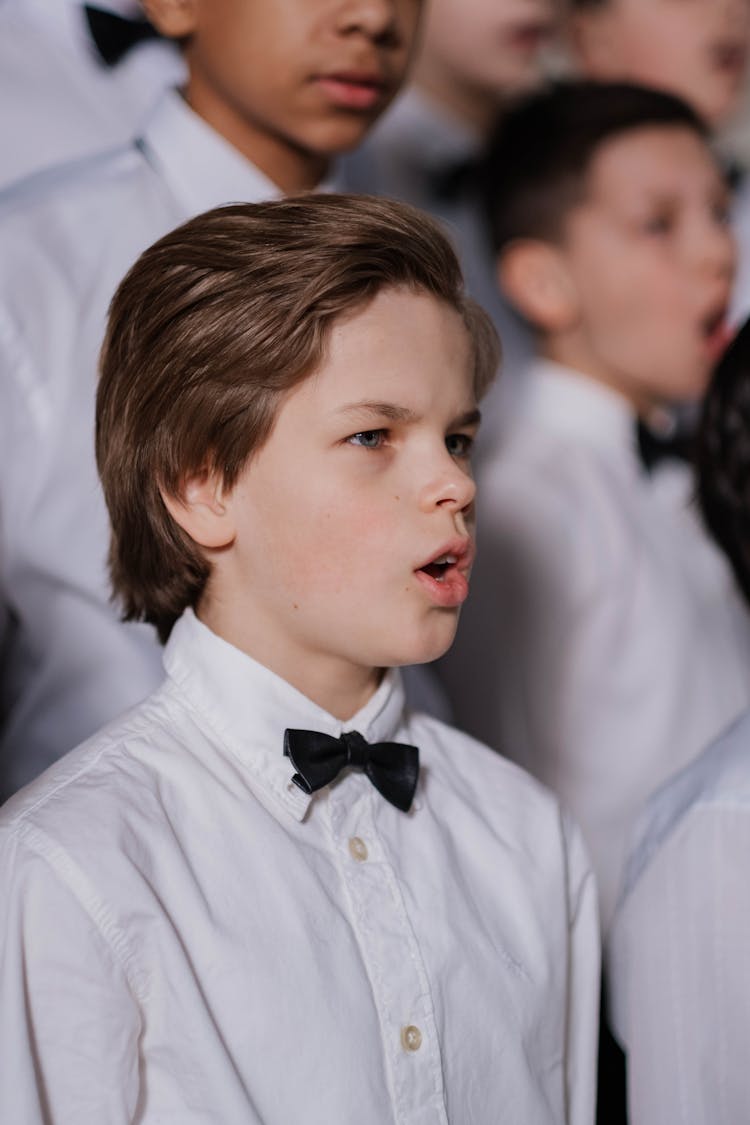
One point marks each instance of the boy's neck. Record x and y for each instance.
(292, 169)
(469, 105)
(568, 355)
(338, 687)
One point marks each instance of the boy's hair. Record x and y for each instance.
(723, 457)
(537, 162)
(206, 333)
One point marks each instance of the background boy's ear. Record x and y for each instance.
(173, 18)
(201, 511)
(534, 277)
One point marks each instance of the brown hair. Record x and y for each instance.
(206, 333)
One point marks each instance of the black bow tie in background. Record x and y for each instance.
(392, 767)
(114, 35)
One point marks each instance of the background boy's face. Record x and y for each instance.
(339, 510)
(695, 48)
(309, 75)
(650, 260)
(487, 48)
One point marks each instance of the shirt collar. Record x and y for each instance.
(249, 707)
(201, 168)
(566, 402)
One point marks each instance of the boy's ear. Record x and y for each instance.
(201, 510)
(173, 18)
(536, 280)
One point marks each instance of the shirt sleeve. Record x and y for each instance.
(583, 980)
(69, 1023)
(680, 974)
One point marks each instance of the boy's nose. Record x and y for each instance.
(391, 21)
(449, 487)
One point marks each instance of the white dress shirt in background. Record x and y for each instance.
(58, 99)
(188, 937)
(603, 644)
(680, 942)
(67, 237)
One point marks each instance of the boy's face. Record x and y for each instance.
(294, 76)
(489, 48)
(695, 48)
(363, 484)
(649, 259)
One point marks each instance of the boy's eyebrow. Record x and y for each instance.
(395, 413)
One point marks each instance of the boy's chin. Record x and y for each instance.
(425, 650)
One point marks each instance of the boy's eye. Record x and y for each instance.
(659, 224)
(369, 439)
(459, 445)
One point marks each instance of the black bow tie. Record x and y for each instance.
(392, 767)
(655, 449)
(114, 35)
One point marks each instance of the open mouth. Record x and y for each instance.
(729, 57)
(716, 332)
(440, 567)
(445, 575)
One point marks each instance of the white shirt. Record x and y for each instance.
(679, 964)
(66, 240)
(414, 144)
(603, 644)
(58, 99)
(188, 937)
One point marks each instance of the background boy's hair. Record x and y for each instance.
(723, 457)
(536, 163)
(209, 329)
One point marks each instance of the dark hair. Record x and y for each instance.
(207, 332)
(536, 163)
(723, 457)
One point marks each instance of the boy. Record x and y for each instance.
(273, 93)
(473, 59)
(678, 964)
(698, 51)
(604, 645)
(68, 87)
(245, 930)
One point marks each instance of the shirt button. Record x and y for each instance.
(358, 849)
(411, 1038)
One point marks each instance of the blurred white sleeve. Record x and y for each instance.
(680, 975)
(69, 1023)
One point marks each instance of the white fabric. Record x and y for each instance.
(187, 937)
(67, 237)
(603, 644)
(415, 142)
(58, 100)
(679, 965)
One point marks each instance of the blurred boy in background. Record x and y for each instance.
(604, 644)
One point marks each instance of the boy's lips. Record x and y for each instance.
(354, 89)
(445, 575)
(716, 332)
(730, 57)
(530, 36)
